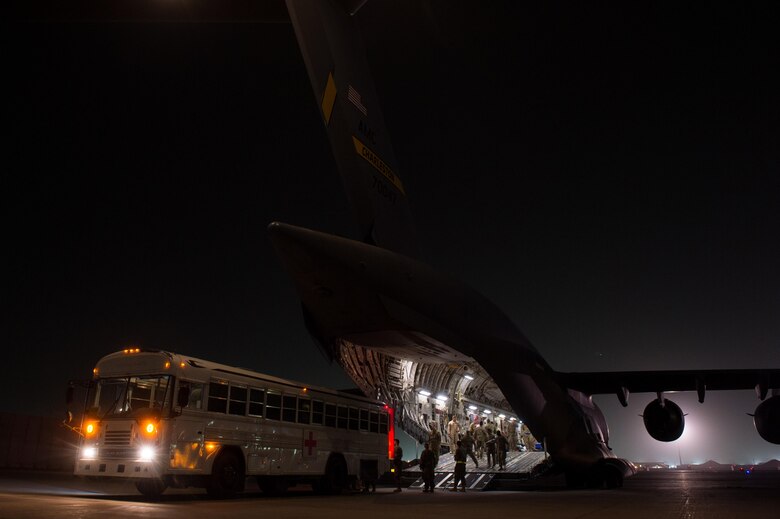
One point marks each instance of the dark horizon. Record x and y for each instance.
(607, 176)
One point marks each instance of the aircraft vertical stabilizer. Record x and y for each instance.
(335, 58)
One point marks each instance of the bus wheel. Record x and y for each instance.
(151, 488)
(335, 479)
(227, 476)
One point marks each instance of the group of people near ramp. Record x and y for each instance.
(488, 441)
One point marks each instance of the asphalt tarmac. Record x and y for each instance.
(679, 494)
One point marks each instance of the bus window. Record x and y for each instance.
(273, 406)
(256, 401)
(288, 408)
(353, 419)
(218, 393)
(304, 410)
(364, 419)
(330, 415)
(139, 394)
(317, 412)
(383, 423)
(196, 394)
(374, 422)
(342, 417)
(237, 401)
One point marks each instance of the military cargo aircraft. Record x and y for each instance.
(401, 329)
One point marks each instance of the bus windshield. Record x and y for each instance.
(122, 396)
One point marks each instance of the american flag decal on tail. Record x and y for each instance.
(354, 98)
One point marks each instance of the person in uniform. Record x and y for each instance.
(528, 439)
(490, 447)
(468, 445)
(398, 464)
(460, 468)
(480, 437)
(427, 464)
(453, 429)
(434, 440)
(502, 446)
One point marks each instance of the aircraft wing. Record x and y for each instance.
(624, 382)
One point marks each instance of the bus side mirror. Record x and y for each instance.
(183, 398)
(69, 395)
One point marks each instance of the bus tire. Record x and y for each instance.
(151, 488)
(335, 479)
(227, 476)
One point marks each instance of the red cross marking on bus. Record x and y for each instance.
(311, 443)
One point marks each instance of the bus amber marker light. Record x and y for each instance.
(149, 428)
(90, 429)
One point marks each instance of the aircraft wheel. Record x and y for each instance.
(613, 478)
(575, 480)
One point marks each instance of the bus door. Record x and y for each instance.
(188, 431)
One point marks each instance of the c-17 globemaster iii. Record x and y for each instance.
(400, 328)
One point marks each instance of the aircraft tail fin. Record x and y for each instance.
(335, 58)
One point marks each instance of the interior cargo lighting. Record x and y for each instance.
(442, 398)
(487, 411)
(424, 392)
(512, 419)
(473, 407)
(468, 377)
(502, 416)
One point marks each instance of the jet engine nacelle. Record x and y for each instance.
(767, 419)
(664, 420)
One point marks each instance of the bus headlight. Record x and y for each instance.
(146, 453)
(89, 453)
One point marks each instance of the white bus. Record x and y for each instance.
(164, 419)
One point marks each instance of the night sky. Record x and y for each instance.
(608, 175)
